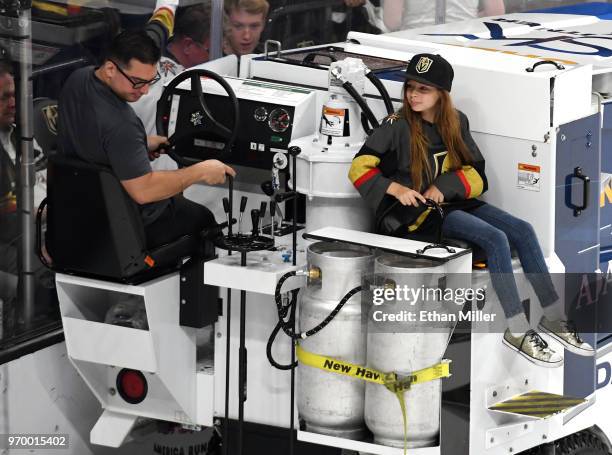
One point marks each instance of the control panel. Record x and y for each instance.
(271, 116)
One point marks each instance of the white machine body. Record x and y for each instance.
(529, 127)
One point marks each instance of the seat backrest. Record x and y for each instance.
(93, 227)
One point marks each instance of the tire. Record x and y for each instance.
(583, 443)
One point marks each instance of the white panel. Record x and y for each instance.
(382, 241)
(108, 344)
(205, 384)
(502, 156)
(573, 95)
(263, 270)
(112, 428)
(503, 103)
(175, 345)
(362, 447)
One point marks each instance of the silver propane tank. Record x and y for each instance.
(330, 403)
(404, 348)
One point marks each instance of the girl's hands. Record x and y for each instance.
(405, 195)
(434, 194)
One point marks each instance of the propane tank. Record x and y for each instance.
(323, 165)
(404, 348)
(330, 403)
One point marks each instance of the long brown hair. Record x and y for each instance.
(447, 121)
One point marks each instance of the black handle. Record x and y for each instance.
(285, 196)
(311, 57)
(273, 208)
(39, 214)
(267, 188)
(434, 205)
(226, 205)
(431, 203)
(294, 150)
(262, 209)
(243, 203)
(586, 191)
(255, 221)
(531, 69)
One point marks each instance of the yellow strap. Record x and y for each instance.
(396, 384)
(50, 8)
(391, 381)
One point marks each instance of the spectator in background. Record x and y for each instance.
(10, 228)
(244, 22)
(406, 14)
(188, 47)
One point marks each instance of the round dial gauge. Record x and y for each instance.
(280, 160)
(260, 114)
(279, 120)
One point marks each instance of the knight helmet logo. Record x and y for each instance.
(423, 65)
(50, 115)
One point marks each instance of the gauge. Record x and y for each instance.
(279, 120)
(260, 114)
(280, 160)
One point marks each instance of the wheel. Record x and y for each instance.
(583, 443)
(210, 125)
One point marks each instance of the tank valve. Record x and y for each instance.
(313, 273)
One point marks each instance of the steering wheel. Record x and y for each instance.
(208, 125)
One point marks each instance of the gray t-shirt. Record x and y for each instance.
(99, 127)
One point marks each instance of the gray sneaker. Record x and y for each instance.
(565, 333)
(533, 348)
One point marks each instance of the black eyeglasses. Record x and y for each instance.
(137, 83)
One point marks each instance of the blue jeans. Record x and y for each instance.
(495, 231)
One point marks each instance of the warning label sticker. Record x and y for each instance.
(332, 121)
(528, 177)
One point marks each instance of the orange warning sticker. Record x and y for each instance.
(529, 177)
(528, 167)
(149, 261)
(332, 121)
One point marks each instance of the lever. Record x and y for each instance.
(243, 203)
(267, 188)
(280, 197)
(226, 209)
(255, 222)
(262, 213)
(272, 217)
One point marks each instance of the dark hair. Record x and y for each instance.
(193, 22)
(133, 44)
(449, 126)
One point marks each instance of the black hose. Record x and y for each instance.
(274, 333)
(282, 311)
(382, 90)
(365, 125)
(288, 326)
(361, 102)
(330, 316)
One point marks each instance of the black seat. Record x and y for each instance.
(94, 227)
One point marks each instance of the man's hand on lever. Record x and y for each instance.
(156, 146)
(159, 185)
(214, 171)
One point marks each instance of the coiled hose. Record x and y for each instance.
(288, 325)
